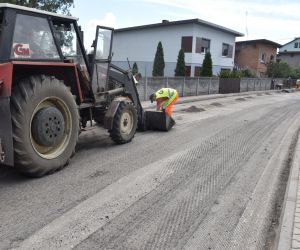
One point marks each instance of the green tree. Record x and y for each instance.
(135, 69)
(62, 6)
(159, 62)
(180, 66)
(279, 69)
(206, 65)
(296, 73)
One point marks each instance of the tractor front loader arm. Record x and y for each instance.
(126, 78)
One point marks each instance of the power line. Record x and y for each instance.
(247, 24)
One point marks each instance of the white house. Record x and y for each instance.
(290, 53)
(194, 36)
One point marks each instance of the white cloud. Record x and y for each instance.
(269, 19)
(89, 28)
(109, 20)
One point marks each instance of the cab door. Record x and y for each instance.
(102, 58)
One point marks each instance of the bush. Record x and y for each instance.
(236, 73)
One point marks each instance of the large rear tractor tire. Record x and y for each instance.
(124, 123)
(45, 125)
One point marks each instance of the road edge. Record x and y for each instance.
(285, 230)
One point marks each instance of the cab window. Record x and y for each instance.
(66, 37)
(33, 39)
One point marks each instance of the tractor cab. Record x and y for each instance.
(33, 35)
(30, 36)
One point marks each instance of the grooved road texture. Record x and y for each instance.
(210, 183)
(177, 208)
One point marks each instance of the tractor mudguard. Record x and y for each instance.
(110, 113)
(6, 137)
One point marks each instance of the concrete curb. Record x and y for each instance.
(285, 238)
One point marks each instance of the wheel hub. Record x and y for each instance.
(126, 123)
(48, 126)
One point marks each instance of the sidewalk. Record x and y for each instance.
(289, 237)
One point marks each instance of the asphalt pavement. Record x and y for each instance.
(214, 185)
(288, 232)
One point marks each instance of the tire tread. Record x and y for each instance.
(21, 95)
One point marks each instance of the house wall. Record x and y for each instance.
(217, 38)
(291, 58)
(249, 56)
(140, 46)
(289, 54)
(289, 47)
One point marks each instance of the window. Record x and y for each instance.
(103, 44)
(202, 45)
(296, 45)
(33, 39)
(187, 70)
(1, 21)
(271, 58)
(227, 50)
(65, 34)
(197, 71)
(187, 43)
(263, 58)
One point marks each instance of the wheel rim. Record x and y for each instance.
(126, 123)
(46, 151)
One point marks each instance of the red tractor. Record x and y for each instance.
(50, 89)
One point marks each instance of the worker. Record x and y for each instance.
(298, 84)
(165, 99)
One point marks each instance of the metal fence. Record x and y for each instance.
(193, 86)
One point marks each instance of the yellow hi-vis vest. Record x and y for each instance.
(166, 93)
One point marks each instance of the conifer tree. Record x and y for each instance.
(159, 62)
(135, 69)
(207, 65)
(180, 66)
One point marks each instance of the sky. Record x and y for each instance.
(275, 20)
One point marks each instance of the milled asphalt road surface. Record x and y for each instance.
(210, 183)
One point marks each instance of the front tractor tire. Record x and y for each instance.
(124, 123)
(45, 125)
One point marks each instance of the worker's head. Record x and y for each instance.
(152, 97)
(138, 76)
